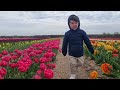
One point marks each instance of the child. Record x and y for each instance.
(74, 38)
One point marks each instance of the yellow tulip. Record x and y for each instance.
(96, 52)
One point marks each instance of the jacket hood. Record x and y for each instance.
(75, 18)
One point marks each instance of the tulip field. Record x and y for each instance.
(35, 58)
(17, 39)
(107, 56)
(32, 59)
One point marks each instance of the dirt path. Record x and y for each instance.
(62, 70)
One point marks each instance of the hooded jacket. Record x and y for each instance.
(74, 40)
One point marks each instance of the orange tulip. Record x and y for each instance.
(93, 41)
(93, 74)
(106, 68)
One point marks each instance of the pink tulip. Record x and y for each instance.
(48, 73)
(3, 72)
(43, 66)
(4, 52)
(37, 77)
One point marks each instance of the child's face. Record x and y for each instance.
(73, 24)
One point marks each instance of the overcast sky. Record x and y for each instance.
(55, 22)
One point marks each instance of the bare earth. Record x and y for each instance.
(62, 70)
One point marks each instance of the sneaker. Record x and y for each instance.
(72, 76)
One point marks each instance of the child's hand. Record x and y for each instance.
(60, 50)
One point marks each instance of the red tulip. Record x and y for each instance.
(48, 73)
(4, 52)
(23, 68)
(43, 66)
(13, 65)
(43, 59)
(3, 72)
(32, 54)
(36, 60)
(115, 55)
(6, 58)
(115, 51)
(0, 55)
(38, 72)
(1, 77)
(37, 77)
(3, 63)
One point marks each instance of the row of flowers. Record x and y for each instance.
(33, 62)
(17, 39)
(106, 55)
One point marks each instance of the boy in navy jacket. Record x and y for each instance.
(73, 40)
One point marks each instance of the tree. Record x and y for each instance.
(116, 34)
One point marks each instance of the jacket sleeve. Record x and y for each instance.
(87, 42)
(64, 45)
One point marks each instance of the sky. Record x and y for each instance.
(29, 23)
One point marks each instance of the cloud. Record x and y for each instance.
(101, 28)
(55, 22)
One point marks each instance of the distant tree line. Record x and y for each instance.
(35, 36)
(104, 35)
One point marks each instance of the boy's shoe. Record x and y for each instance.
(72, 76)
